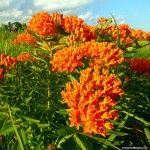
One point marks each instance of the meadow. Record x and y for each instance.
(69, 86)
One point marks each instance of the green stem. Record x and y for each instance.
(15, 129)
(49, 81)
(49, 90)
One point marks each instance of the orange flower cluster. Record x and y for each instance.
(58, 18)
(67, 59)
(103, 54)
(81, 31)
(141, 66)
(90, 100)
(127, 34)
(1, 73)
(25, 57)
(9, 62)
(102, 20)
(42, 23)
(124, 33)
(71, 23)
(140, 34)
(24, 38)
(86, 33)
(71, 40)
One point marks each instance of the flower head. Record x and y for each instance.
(141, 66)
(90, 100)
(42, 23)
(24, 38)
(58, 18)
(71, 23)
(103, 54)
(25, 57)
(9, 62)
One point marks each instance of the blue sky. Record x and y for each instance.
(133, 12)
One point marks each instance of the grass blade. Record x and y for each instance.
(15, 129)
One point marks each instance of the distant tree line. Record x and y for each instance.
(15, 26)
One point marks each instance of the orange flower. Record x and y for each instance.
(58, 18)
(71, 23)
(90, 100)
(66, 59)
(9, 62)
(1, 73)
(103, 54)
(72, 39)
(42, 23)
(25, 57)
(83, 34)
(141, 66)
(24, 38)
(102, 20)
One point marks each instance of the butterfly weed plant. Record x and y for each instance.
(67, 85)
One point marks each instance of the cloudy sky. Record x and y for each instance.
(136, 13)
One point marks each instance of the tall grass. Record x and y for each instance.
(6, 44)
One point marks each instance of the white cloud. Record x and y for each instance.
(89, 18)
(120, 19)
(122, 22)
(60, 5)
(22, 10)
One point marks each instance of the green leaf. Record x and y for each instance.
(34, 34)
(62, 111)
(8, 75)
(105, 142)
(117, 133)
(43, 125)
(2, 114)
(57, 47)
(8, 130)
(63, 39)
(28, 99)
(118, 35)
(22, 134)
(109, 21)
(82, 142)
(63, 140)
(147, 133)
(54, 37)
(138, 118)
(66, 131)
(30, 120)
(71, 77)
(16, 131)
(57, 104)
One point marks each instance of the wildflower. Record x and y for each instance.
(90, 100)
(24, 38)
(102, 20)
(1, 73)
(141, 66)
(71, 23)
(103, 54)
(72, 39)
(58, 19)
(66, 59)
(42, 23)
(25, 57)
(9, 62)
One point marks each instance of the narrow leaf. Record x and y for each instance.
(81, 143)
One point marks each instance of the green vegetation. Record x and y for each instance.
(32, 116)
